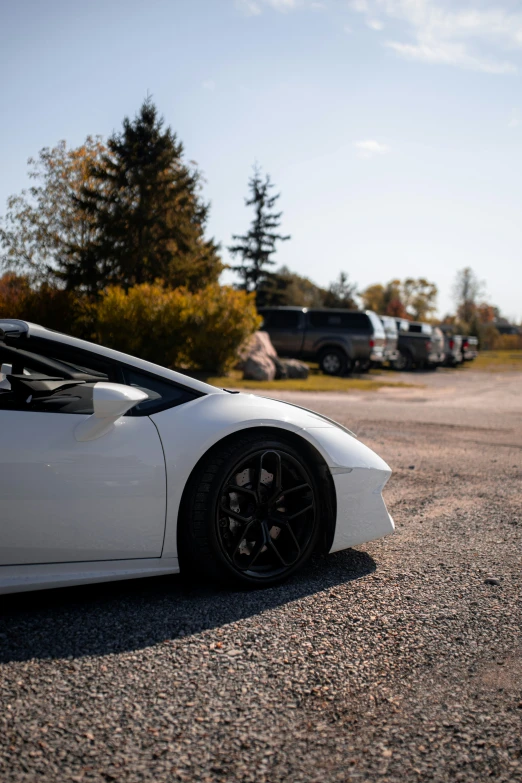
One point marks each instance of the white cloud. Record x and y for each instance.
(370, 148)
(249, 7)
(515, 119)
(347, 29)
(209, 84)
(255, 7)
(374, 24)
(476, 37)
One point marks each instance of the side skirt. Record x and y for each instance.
(18, 578)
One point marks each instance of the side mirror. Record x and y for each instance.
(111, 401)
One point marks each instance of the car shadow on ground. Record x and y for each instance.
(125, 616)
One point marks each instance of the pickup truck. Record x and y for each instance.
(453, 348)
(469, 348)
(391, 352)
(420, 345)
(339, 340)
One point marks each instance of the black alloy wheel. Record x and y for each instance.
(333, 361)
(257, 519)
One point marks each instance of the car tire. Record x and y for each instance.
(333, 361)
(251, 513)
(403, 363)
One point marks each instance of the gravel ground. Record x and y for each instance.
(399, 661)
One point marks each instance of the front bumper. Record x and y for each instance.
(359, 476)
(361, 511)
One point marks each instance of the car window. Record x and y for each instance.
(64, 382)
(347, 321)
(161, 394)
(42, 395)
(282, 319)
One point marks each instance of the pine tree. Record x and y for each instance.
(256, 247)
(341, 293)
(145, 203)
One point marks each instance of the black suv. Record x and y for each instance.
(340, 340)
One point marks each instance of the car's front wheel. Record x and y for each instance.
(333, 361)
(251, 513)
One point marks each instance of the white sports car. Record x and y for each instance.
(115, 468)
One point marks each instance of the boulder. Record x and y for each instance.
(259, 361)
(293, 368)
(258, 358)
(259, 367)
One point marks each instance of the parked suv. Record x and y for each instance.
(339, 340)
(420, 345)
(391, 351)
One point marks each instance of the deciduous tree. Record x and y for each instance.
(467, 289)
(44, 230)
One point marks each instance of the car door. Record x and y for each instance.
(286, 330)
(64, 500)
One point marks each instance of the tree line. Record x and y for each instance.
(130, 212)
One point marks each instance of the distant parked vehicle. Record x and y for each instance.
(391, 332)
(469, 348)
(453, 350)
(339, 340)
(420, 346)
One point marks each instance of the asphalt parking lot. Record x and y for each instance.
(398, 661)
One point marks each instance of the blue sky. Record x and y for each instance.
(392, 128)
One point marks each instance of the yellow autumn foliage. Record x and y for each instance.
(175, 327)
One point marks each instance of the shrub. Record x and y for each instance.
(47, 305)
(220, 321)
(174, 327)
(508, 342)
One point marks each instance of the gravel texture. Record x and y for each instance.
(399, 661)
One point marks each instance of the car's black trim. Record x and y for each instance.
(113, 369)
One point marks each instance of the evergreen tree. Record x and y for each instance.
(256, 247)
(285, 287)
(145, 203)
(341, 293)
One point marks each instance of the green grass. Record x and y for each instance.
(316, 382)
(497, 361)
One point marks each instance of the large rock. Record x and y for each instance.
(293, 368)
(259, 361)
(258, 358)
(259, 368)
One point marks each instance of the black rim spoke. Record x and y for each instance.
(280, 493)
(287, 530)
(238, 517)
(267, 514)
(244, 490)
(300, 512)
